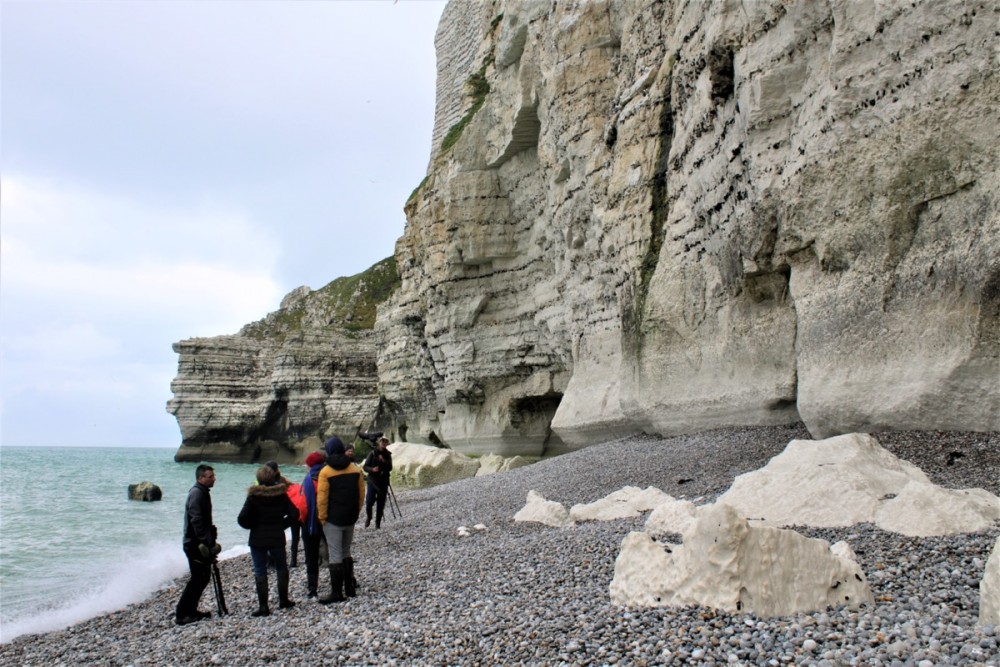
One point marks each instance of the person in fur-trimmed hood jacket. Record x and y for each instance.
(267, 512)
(340, 494)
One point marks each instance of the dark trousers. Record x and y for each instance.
(376, 495)
(261, 557)
(310, 549)
(294, 549)
(201, 574)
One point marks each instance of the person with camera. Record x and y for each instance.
(340, 493)
(378, 465)
(199, 544)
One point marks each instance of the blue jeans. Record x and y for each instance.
(262, 555)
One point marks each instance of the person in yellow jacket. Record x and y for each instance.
(340, 495)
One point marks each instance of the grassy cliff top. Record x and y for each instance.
(347, 304)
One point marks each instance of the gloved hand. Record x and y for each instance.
(216, 548)
(205, 551)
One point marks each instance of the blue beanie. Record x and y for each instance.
(334, 446)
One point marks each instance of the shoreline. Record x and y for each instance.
(529, 594)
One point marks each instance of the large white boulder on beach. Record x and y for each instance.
(625, 503)
(416, 465)
(850, 479)
(548, 512)
(494, 463)
(989, 590)
(671, 516)
(727, 564)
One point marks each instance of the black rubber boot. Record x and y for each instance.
(262, 608)
(312, 580)
(368, 516)
(336, 585)
(283, 601)
(350, 583)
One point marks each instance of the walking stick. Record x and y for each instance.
(220, 598)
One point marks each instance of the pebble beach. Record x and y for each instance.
(527, 594)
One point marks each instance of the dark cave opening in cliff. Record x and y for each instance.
(532, 409)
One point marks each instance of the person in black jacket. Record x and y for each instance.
(378, 465)
(267, 512)
(199, 544)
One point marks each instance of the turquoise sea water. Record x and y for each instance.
(73, 546)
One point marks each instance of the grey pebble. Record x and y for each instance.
(527, 594)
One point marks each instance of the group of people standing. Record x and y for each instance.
(325, 507)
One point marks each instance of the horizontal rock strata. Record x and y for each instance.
(665, 217)
(281, 386)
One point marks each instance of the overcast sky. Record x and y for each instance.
(171, 169)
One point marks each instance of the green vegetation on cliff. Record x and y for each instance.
(347, 304)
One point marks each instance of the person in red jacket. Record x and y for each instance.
(340, 494)
(267, 512)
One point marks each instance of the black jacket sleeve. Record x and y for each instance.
(248, 515)
(200, 516)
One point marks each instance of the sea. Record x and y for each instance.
(73, 546)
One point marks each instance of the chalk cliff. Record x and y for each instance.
(668, 217)
(282, 385)
(672, 216)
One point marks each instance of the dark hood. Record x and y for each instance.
(339, 461)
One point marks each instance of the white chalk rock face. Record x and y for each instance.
(422, 465)
(672, 516)
(494, 463)
(989, 590)
(625, 503)
(540, 510)
(726, 564)
(850, 479)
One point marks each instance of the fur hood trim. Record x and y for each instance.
(267, 491)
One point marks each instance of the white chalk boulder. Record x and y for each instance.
(671, 516)
(493, 463)
(989, 589)
(625, 503)
(416, 465)
(850, 479)
(539, 510)
(727, 564)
